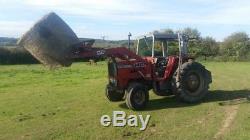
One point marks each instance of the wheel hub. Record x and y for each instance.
(193, 82)
(139, 97)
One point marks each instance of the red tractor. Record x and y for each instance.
(132, 74)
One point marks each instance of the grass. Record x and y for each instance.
(36, 103)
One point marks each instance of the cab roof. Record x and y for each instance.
(160, 36)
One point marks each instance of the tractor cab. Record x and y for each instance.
(157, 44)
(161, 50)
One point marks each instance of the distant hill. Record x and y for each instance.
(6, 41)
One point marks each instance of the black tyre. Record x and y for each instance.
(193, 82)
(137, 96)
(114, 96)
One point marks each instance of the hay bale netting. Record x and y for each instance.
(50, 41)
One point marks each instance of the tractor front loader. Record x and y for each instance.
(130, 74)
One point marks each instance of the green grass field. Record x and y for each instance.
(36, 103)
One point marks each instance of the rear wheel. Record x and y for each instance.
(137, 96)
(192, 84)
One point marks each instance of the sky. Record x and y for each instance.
(115, 18)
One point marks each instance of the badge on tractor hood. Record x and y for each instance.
(136, 65)
(139, 65)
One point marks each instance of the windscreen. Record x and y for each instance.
(159, 47)
(145, 46)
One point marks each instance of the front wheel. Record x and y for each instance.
(114, 96)
(137, 96)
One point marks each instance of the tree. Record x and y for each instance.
(236, 45)
(155, 32)
(194, 46)
(209, 47)
(167, 31)
(191, 32)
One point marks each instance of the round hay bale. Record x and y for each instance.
(50, 41)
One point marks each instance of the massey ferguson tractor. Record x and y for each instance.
(132, 74)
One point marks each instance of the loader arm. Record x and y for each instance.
(89, 52)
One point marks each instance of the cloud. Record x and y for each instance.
(172, 11)
(232, 13)
(118, 16)
(205, 11)
(13, 28)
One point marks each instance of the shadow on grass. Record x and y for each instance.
(220, 96)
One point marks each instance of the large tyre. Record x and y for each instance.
(114, 96)
(193, 82)
(137, 96)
